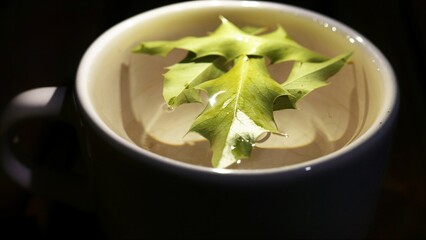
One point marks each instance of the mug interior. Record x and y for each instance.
(122, 91)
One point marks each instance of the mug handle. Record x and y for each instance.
(40, 103)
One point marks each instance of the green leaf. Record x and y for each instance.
(306, 77)
(240, 109)
(231, 42)
(181, 78)
(230, 66)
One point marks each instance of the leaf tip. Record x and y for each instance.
(223, 19)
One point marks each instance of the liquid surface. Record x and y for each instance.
(306, 133)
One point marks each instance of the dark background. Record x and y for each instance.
(42, 42)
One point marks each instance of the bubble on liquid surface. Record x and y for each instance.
(285, 135)
(167, 108)
(263, 137)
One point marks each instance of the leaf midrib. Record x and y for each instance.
(240, 85)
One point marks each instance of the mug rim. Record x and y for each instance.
(378, 127)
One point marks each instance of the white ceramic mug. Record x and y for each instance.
(345, 130)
